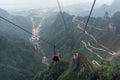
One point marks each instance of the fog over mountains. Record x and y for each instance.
(76, 9)
(95, 56)
(98, 11)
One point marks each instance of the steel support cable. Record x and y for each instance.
(64, 21)
(25, 30)
(61, 12)
(86, 21)
(86, 25)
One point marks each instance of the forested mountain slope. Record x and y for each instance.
(80, 69)
(100, 41)
(18, 60)
(11, 30)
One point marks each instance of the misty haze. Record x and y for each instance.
(59, 39)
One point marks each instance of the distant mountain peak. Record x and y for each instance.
(3, 13)
(116, 1)
(64, 13)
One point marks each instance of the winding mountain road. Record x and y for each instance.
(90, 47)
(116, 54)
(91, 36)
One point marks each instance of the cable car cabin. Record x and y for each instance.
(56, 57)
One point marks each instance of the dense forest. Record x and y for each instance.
(97, 50)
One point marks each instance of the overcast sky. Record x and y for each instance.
(27, 4)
